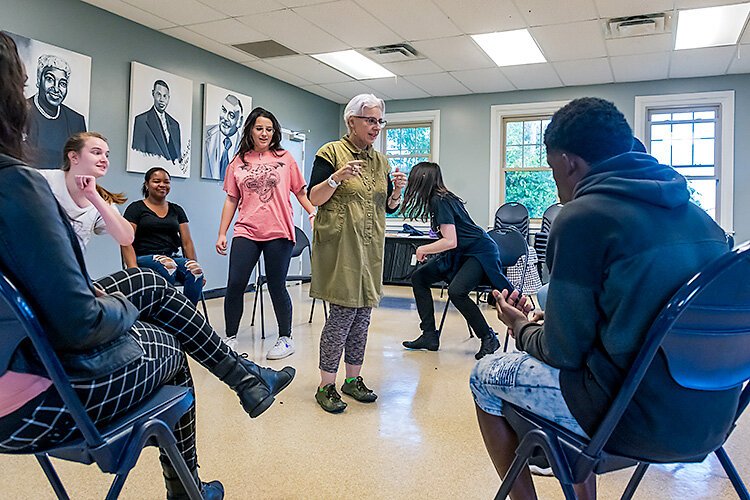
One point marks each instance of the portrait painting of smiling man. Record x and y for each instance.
(159, 121)
(224, 113)
(57, 89)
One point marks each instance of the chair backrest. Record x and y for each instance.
(513, 214)
(17, 323)
(549, 216)
(704, 333)
(301, 242)
(510, 244)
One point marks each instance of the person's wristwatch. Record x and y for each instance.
(332, 182)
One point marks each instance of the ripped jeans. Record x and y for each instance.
(523, 380)
(192, 283)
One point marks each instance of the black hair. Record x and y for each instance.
(160, 82)
(147, 177)
(591, 128)
(13, 107)
(246, 143)
(425, 181)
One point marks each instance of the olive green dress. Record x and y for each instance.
(349, 230)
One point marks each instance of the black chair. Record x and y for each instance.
(704, 333)
(115, 448)
(513, 214)
(542, 237)
(511, 245)
(302, 242)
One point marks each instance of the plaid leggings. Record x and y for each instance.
(345, 327)
(168, 327)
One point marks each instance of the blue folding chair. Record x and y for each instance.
(115, 448)
(704, 333)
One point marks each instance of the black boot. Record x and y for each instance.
(489, 345)
(256, 386)
(213, 490)
(428, 340)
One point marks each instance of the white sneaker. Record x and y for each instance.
(541, 471)
(231, 342)
(284, 347)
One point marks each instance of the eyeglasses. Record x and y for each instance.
(371, 121)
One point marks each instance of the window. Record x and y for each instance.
(694, 133)
(408, 139)
(518, 159)
(685, 139)
(527, 177)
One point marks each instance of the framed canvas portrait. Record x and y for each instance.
(159, 121)
(224, 113)
(58, 92)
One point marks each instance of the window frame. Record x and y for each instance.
(499, 113)
(406, 119)
(725, 153)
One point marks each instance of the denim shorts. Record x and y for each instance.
(523, 380)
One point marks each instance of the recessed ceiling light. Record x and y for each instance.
(510, 48)
(710, 26)
(354, 64)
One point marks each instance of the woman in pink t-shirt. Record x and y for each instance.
(258, 182)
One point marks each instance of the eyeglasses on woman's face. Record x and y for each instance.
(372, 121)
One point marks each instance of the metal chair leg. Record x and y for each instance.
(734, 476)
(635, 480)
(442, 319)
(52, 476)
(312, 310)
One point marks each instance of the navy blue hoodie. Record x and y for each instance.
(617, 252)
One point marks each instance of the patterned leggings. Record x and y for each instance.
(168, 327)
(345, 327)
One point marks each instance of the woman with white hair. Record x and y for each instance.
(353, 187)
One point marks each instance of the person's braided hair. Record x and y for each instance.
(591, 128)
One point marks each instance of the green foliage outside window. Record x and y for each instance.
(405, 147)
(535, 190)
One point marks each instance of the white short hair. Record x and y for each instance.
(358, 104)
(49, 61)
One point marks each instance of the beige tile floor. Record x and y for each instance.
(419, 440)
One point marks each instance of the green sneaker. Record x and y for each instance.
(359, 391)
(329, 399)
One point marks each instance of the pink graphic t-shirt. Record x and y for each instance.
(262, 183)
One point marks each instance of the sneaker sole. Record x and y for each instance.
(421, 348)
(272, 357)
(267, 402)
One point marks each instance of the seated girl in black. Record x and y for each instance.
(161, 231)
(468, 257)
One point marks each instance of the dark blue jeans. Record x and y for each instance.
(193, 285)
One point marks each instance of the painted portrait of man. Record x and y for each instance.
(222, 139)
(156, 132)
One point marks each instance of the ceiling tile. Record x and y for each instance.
(300, 3)
(308, 68)
(641, 67)
(193, 38)
(639, 45)
(745, 38)
(277, 73)
(324, 92)
(619, 8)
(350, 89)
(396, 88)
(562, 42)
(128, 11)
(701, 62)
(695, 4)
(484, 80)
(236, 8)
(584, 72)
(290, 29)
(439, 84)
(484, 16)
(416, 67)
(455, 53)
(180, 12)
(228, 31)
(327, 16)
(533, 76)
(741, 64)
(541, 12)
(411, 19)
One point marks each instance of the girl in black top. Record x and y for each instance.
(467, 257)
(161, 231)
